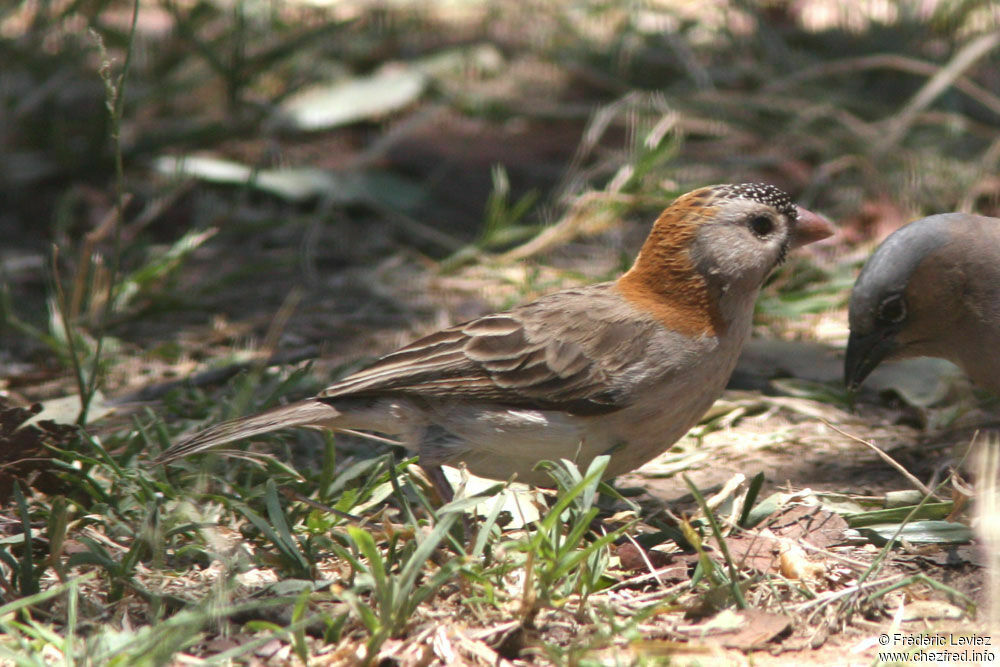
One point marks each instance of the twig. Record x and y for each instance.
(887, 61)
(988, 524)
(924, 489)
(87, 253)
(645, 559)
(826, 553)
(74, 354)
(945, 78)
(415, 228)
(986, 182)
(292, 494)
(586, 216)
(154, 209)
(832, 596)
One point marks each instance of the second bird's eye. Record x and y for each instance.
(761, 225)
(892, 310)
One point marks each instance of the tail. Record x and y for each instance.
(303, 413)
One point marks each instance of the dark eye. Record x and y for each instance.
(892, 310)
(761, 225)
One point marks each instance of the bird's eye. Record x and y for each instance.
(892, 310)
(761, 225)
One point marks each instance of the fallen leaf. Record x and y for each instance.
(761, 627)
(753, 551)
(820, 527)
(64, 410)
(392, 87)
(746, 629)
(958, 555)
(24, 454)
(635, 558)
(929, 610)
(919, 532)
(299, 184)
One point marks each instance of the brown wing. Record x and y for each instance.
(564, 351)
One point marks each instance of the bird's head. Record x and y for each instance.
(902, 304)
(719, 241)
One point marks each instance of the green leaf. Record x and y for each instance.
(26, 577)
(284, 542)
(753, 490)
(919, 532)
(898, 514)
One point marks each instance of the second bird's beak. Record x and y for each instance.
(810, 227)
(864, 353)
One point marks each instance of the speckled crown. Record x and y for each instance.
(764, 193)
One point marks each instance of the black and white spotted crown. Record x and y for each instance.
(764, 193)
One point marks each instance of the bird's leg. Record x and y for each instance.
(440, 482)
(447, 493)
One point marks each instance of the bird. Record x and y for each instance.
(931, 289)
(622, 368)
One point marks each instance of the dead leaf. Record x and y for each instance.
(759, 549)
(753, 550)
(820, 527)
(761, 627)
(65, 409)
(391, 88)
(23, 452)
(634, 558)
(746, 629)
(928, 610)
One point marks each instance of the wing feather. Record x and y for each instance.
(564, 351)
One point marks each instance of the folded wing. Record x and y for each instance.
(561, 352)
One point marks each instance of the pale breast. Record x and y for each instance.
(669, 408)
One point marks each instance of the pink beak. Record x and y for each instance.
(810, 227)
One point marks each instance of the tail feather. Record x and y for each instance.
(303, 413)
